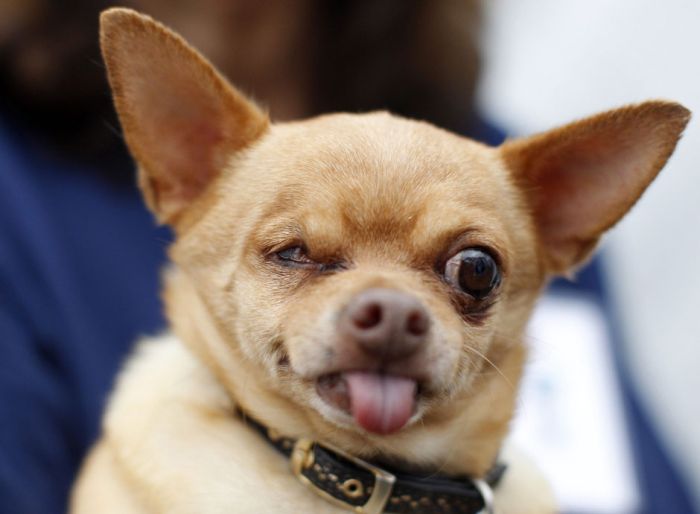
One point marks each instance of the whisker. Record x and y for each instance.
(491, 363)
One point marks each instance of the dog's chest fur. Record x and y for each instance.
(172, 426)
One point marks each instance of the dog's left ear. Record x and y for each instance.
(580, 179)
(182, 120)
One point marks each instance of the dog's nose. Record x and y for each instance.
(385, 323)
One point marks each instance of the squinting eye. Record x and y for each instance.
(474, 272)
(294, 255)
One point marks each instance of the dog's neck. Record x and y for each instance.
(466, 443)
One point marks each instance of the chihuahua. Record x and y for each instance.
(347, 295)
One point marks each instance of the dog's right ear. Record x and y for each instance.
(580, 179)
(181, 119)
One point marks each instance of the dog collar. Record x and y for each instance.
(366, 488)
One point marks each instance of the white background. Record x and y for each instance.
(569, 418)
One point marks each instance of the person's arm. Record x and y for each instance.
(38, 422)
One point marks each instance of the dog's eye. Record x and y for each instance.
(294, 255)
(474, 272)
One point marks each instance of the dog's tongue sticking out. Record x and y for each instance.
(380, 403)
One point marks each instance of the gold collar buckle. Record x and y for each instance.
(303, 458)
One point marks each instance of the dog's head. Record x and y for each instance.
(364, 275)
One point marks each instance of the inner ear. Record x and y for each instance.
(580, 179)
(181, 119)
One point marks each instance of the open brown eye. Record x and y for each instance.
(474, 272)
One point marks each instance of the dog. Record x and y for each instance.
(347, 295)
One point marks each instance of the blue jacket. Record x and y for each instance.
(79, 261)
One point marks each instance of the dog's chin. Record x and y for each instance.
(369, 401)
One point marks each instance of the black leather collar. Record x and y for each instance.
(365, 488)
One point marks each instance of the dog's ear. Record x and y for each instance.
(181, 119)
(580, 179)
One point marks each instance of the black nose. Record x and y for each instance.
(385, 323)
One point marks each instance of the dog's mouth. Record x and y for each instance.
(378, 402)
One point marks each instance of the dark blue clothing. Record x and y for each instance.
(79, 263)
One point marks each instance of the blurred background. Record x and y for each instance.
(550, 61)
(608, 408)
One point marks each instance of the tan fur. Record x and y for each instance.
(391, 197)
(585, 175)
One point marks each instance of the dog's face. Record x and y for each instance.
(366, 261)
(372, 271)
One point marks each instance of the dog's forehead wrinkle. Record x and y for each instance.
(366, 177)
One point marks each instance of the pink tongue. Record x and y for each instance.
(380, 403)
